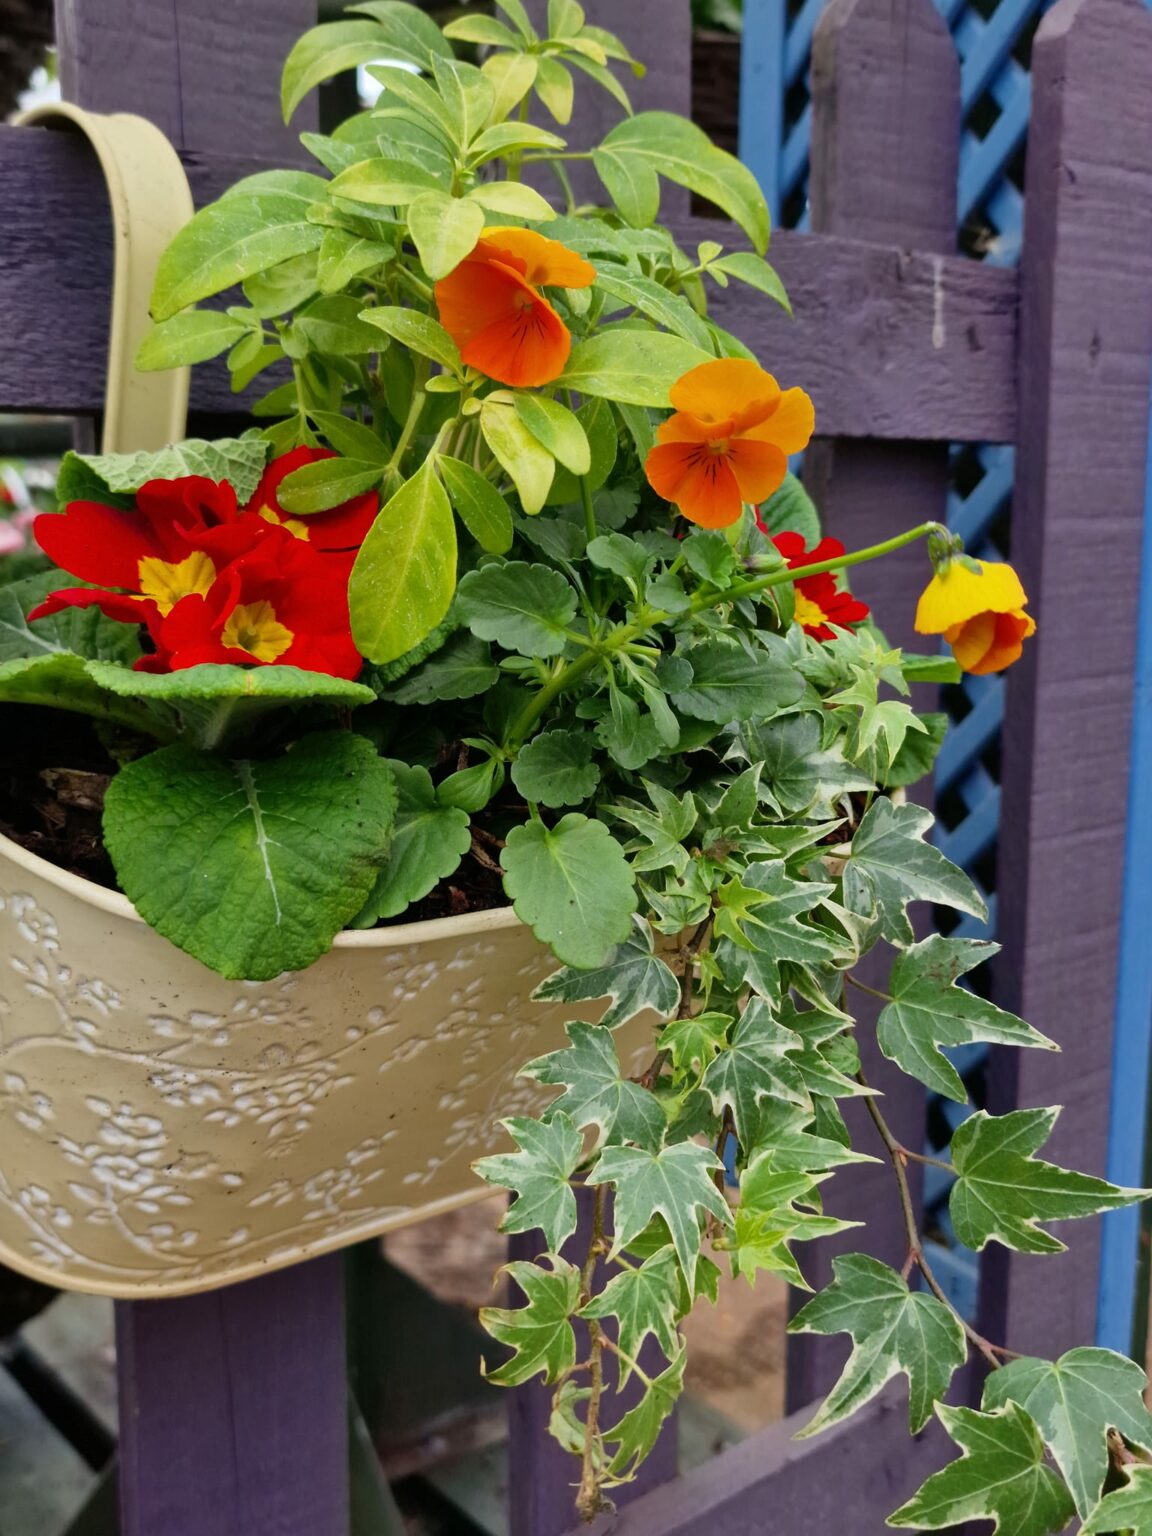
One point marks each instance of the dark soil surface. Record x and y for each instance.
(53, 774)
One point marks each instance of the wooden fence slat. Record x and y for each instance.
(886, 93)
(846, 1481)
(1086, 349)
(542, 1477)
(233, 1409)
(211, 85)
(861, 341)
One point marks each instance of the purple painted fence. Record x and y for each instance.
(233, 1403)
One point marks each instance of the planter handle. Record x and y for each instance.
(150, 201)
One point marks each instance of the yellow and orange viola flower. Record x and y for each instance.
(493, 307)
(729, 440)
(978, 606)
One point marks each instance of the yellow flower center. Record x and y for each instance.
(254, 627)
(718, 446)
(808, 613)
(294, 526)
(166, 582)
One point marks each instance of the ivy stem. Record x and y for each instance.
(897, 1155)
(885, 997)
(627, 1359)
(589, 1501)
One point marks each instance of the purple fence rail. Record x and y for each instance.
(233, 1403)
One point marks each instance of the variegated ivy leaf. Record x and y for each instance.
(1125, 1509)
(634, 979)
(637, 1432)
(771, 1215)
(791, 1142)
(1075, 1401)
(758, 924)
(893, 1330)
(660, 829)
(798, 774)
(828, 1058)
(644, 1301)
(540, 1332)
(891, 865)
(1002, 1476)
(693, 1042)
(539, 1173)
(928, 1010)
(596, 1093)
(1003, 1191)
(675, 1183)
(882, 725)
(752, 1068)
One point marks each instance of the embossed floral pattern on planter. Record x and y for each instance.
(165, 1130)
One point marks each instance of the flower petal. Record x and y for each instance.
(728, 387)
(991, 641)
(759, 468)
(701, 484)
(958, 593)
(544, 262)
(97, 543)
(791, 424)
(502, 325)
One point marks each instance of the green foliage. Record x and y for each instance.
(1001, 1476)
(595, 1091)
(1128, 1508)
(893, 1329)
(541, 1331)
(540, 1173)
(891, 865)
(572, 885)
(428, 841)
(201, 844)
(239, 460)
(674, 1183)
(1003, 1191)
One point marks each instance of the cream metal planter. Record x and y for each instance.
(163, 1130)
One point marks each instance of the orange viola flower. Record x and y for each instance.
(493, 308)
(978, 606)
(729, 440)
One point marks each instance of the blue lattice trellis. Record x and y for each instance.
(993, 39)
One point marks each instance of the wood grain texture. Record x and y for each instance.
(233, 1409)
(542, 1477)
(846, 1481)
(210, 87)
(1086, 344)
(886, 86)
(863, 340)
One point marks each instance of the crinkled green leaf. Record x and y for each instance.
(461, 668)
(891, 865)
(59, 680)
(428, 843)
(928, 1010)
(556, 768)
(675, 1183)
(1003, 1192)
(527, 608)
(894, 1329)
(1001, 1476)
(540, 1173)
(253, 867)
(633, 978)
(78, 631)
(212, 682)
(572, 885)
(1074, 1402)
(239, 460)
(540, 1332)
(596, 1092)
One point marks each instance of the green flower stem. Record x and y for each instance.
(415, 411)
(647, 618)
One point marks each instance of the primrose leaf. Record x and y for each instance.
(893, 1329)
(428, 843)
(239, 460)
(572, 885)
(1075, 1401)
(730, 683)
(556, 768)
(928, 1010)
(748, 1070)
(1003, 1191)
(74, 631)
(674, 1183)
(644, 1301)
(596, 1092)
(460, 669)
(1001, 1476)
(262, 222)
(540, 1173)
(253, 867)
(637, 1432)
(541, 1331)
(632, 155)
(59, 680)
(891, 865)
(212, 682)
(771, 1215)
(1125, 1509)
(527, 608)
(405, 574)
(634, 978)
